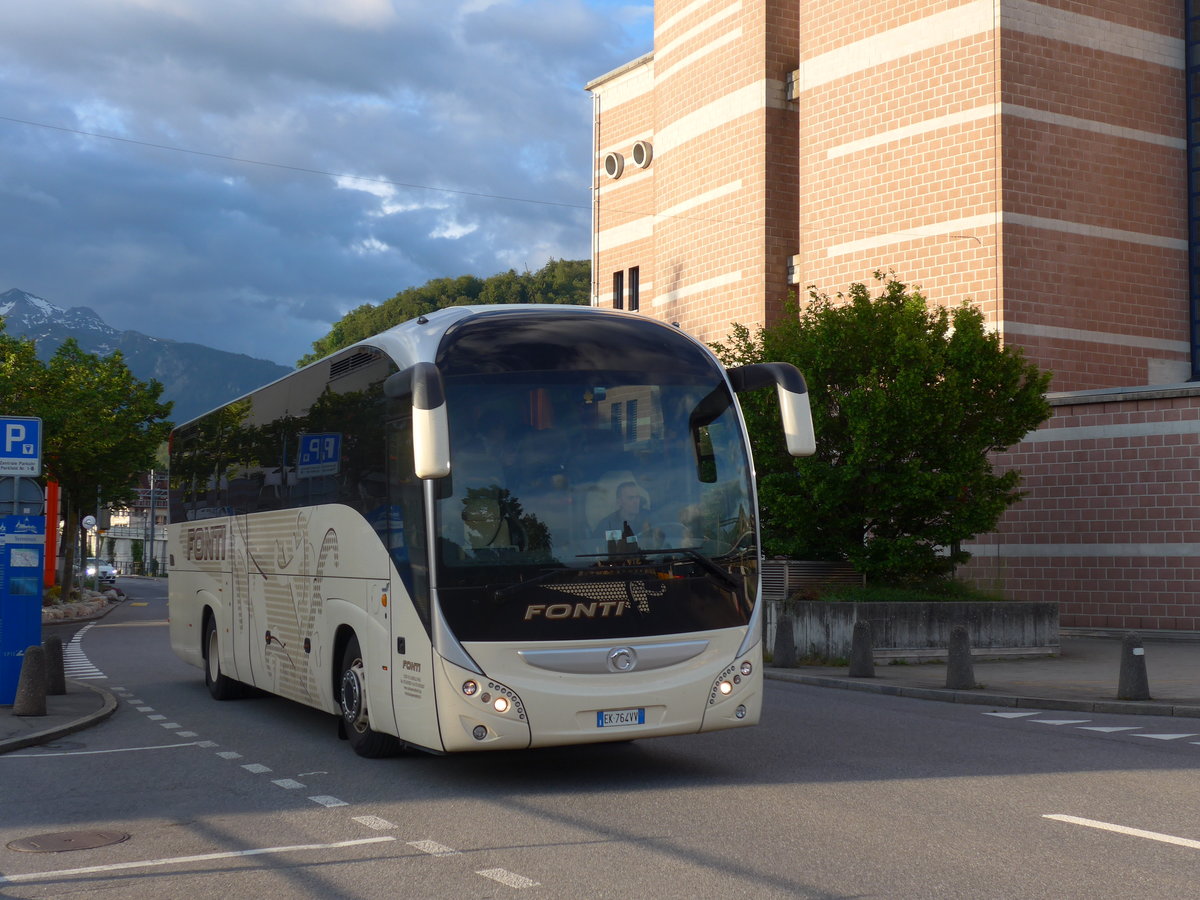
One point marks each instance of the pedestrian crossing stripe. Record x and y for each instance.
(75, 661)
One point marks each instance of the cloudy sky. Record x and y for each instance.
(240, 173)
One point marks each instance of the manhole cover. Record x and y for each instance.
(68, 840)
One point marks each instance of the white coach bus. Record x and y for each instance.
(487, 528)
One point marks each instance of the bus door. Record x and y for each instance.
(247, 647)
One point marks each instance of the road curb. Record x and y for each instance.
(983, 698)
(107, 708)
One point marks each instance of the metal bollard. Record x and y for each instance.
(31, 686)
(56, 674)
(1133, 683)
(960, 670)
(862, 651)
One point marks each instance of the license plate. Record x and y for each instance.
(613, 717)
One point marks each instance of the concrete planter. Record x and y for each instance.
(918, 631)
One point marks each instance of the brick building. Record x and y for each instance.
(1028, 155)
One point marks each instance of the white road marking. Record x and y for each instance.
(186, 733)
(145, 708)
(508, 878)
(1163, 737)
(96, 752)
(1011, 715)
(156, 717)
(1124, 829)
(289, 783)
(178, 860)
(256, 768)
(325, 800)
(1109, 729)
(75, 662)
(374, 822)
(170, 724)
(207, 744)
(1060, 721)
(229, 754)
(433, 848)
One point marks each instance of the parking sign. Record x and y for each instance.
(20, 446)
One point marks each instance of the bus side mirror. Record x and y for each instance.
(430, 426)
(794, 407)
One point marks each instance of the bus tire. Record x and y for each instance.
(219, 685)
(352, 698)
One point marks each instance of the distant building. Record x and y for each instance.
(1029, 156)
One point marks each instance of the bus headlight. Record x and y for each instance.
(725, 687)
(501, 705)
(469, 688)
(747, 667)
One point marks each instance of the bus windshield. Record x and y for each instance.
(590, 501)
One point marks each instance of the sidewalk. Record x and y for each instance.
(1082, 678)
(82, 706)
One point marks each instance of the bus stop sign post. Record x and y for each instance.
(22, 543)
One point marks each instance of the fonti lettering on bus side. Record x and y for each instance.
(206, 542)
(597, 609)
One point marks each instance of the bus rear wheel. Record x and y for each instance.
(219, 685)
(353, 701)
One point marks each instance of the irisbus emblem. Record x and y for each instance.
(622, 659)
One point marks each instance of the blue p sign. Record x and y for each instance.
(20, 446)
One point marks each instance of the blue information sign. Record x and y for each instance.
(22, 545)
(20, 446)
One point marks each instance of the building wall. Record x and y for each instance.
(1111, 525)
(712, 222)
(899, 148)
(1094, 190)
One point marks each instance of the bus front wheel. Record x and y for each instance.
(365, 741)
(219, 685)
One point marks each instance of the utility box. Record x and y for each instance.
(22, 545)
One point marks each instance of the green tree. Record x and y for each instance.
(908, 401)
(20, 375)
(101, 427)
(559, 281)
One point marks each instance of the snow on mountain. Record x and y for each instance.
(195, 377)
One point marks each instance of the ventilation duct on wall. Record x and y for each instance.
(614, 164)
(643, 152)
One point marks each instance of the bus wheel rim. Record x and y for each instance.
(354, 710)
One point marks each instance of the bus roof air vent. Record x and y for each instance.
(346, 364)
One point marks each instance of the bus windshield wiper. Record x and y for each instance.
(503, 593)
(709, 565)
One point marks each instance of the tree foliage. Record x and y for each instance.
(559, 281)
(908, 401)
(101, 426)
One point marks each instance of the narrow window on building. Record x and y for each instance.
(631, 420)
(618, 290)
(634, 279)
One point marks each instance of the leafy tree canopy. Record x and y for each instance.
(559, 281)
(908, 401)
(101, 426)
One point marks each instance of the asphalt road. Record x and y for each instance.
(836, 795)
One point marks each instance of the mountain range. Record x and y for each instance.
(196, 378)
